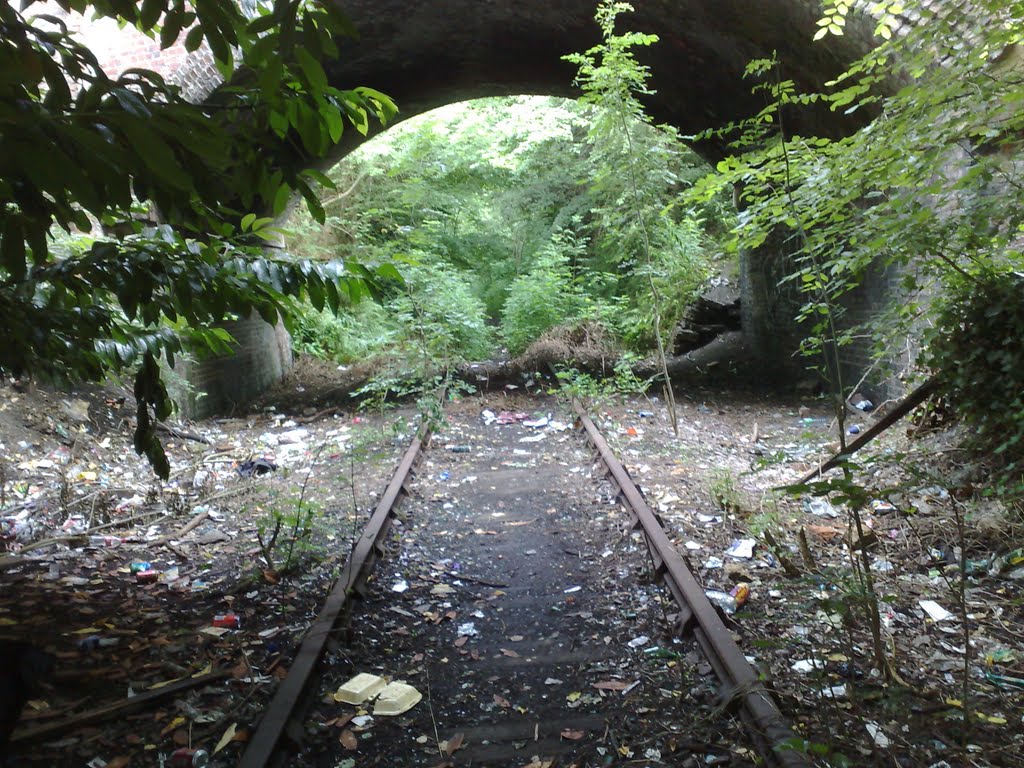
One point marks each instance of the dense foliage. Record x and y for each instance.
(977, 353)
(517, 199)
(82, 148)
(931, 186)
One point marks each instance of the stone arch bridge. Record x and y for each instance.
(428, 53)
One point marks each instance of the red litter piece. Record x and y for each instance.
(228, 620)
(146, 577)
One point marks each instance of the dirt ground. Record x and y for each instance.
(952, 695)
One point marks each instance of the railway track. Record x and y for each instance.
(541, 625)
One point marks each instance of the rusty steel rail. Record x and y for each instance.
(278, 715)
(765, 724)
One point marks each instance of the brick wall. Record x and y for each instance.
(222, 385)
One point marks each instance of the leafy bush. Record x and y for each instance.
(434, 316)
(355, 333)
(439, 314)
(545, 296)
(977, 353)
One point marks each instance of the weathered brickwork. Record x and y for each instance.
(262, 357)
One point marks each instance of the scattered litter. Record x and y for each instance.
(820, 507)
(227, 620)
(638, 642)
(864, 405)
(882, 507)
(256, 467)
(186, 757)
(467, 630)
(935, 611)
(741, 549)
(714, 562)
(570, 590)
(543, 421)
(396, 699)
(807, 665)
(881, 740)
(730, 601)
(94, 642)
(360, 688)
(400, 586)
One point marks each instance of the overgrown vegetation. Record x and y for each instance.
(930, 188)
(82, 149)
(512, 205)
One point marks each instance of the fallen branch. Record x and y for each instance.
(909, 403)
(122, 707)
(189, 526)
(182, 434)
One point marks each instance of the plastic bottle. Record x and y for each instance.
(731, 601)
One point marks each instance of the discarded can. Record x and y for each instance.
(458, 448)
(189, 758)
(740, 593)
(147, 576)
(228, 620)
(137, 567)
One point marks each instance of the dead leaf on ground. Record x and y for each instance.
(227, 738)
(501, 701)
(348, 739)
(339, 722)
(572, 734)
(509, 653)
(121, 761)
(241, 669)
(179, 720)
(825, 532)
(461, 640)
(454, 744)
